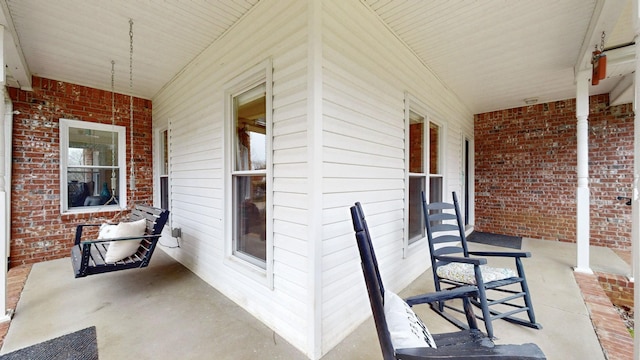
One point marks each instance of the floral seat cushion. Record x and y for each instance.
(464, 273)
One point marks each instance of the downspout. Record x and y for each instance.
(4, 214)
(635, 201)
(582, 192)
(8, 134)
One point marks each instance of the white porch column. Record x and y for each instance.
(3, 190)
(635, 201)
(582, 192)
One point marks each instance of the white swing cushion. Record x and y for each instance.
(464, 273)
(119, 250)
(405, 327)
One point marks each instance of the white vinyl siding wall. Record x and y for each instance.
(318, 294)
(194, 101)
(366, 73)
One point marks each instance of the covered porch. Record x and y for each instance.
(167, 312)
(344, 79)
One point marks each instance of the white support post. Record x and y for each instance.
(582, 192)
(635, 201)
(3, 191)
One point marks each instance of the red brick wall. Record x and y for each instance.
(525, 171)
(39, 231)
(618, 288)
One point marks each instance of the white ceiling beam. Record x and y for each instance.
(604, 18)
(18, 74)
(621, 55)
(622, 91)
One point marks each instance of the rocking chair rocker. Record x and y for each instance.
(89, 257)
(452, 266)
(396, 322)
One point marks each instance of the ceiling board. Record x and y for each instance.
(75, 40)
(492, 53)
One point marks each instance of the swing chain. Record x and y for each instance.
(602, 42)
(113, 74)
(130, 53)
(132, 160)
(113, 123)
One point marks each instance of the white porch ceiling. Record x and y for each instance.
(493, 53)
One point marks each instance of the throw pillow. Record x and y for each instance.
(405, 327)
(106, 230)
(119, 250)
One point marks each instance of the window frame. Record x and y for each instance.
(440, 160)
(163, 173)
(261, 73)
(421, 176)
(429, 116)
(64, 126)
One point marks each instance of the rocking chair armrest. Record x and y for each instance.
(470, 351)
(97, 241)
(465, 260)
(442, 295)
(514, 254)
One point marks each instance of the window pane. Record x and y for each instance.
(92, 147)
(435, 195)
(435, 189)
(164, 153)
(416, 220)
(416, 138)
(434, 149)
(164, 192)
(250, 217)
(91, 187)
(250, 124)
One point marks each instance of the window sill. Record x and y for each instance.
(92, 210)
(252, 271)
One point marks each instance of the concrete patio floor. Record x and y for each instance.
(166, 312)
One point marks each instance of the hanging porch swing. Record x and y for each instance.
(128, 244)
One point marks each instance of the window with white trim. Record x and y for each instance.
(424, 152)
(164, 169)
(435, 163)
(92, 166)
(250, 110)
(417, 175)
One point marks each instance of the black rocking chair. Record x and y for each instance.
(465, 344)
(89, 256)
(453, 267)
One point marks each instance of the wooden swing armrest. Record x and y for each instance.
(442, 295)
(98, 241)
(79, 229)
(83, 225)
(464, 260)
(525, 254)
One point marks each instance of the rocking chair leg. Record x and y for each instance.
(525, 290)
(439, 304)
(486, 314)
(450, 318)
(468, 311)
